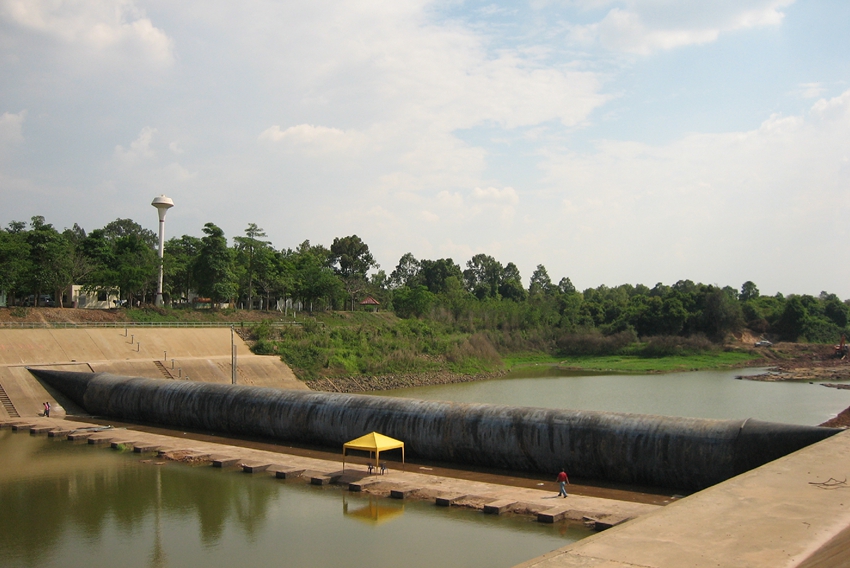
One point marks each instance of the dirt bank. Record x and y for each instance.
(806, 362)
(800, 362)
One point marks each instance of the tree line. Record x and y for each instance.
(251, 273)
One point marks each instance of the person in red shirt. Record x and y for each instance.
(563, 480)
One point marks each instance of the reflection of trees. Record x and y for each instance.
(36, 511)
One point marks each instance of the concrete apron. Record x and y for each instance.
(443, 491)
(792, 512)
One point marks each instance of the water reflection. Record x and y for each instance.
(95, 494)
(375, 512)
(68, 504)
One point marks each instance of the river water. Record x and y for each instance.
(699, 394)
(65, 504)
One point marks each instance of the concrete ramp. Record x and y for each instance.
(790, 513)
(201, 354)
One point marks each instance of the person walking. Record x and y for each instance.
(563, 480)
(47, 410)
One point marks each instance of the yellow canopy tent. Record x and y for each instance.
(373, 443)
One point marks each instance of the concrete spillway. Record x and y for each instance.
(686, 453)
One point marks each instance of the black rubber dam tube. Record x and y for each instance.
(686, 453)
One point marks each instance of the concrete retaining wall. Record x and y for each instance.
(685, 453)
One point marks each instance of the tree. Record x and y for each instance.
(314, 279)
(412, 302)
(483, 275)
(565, 286)
(510, 286)
(435, 274)
(249, 248)
(14, 260)
(749, 291)
(179, 259)
(50, 256)
(721, 313)
(213, 270)
(351, 261)
(407, 272)
(136, 267)
(126, 227)
(540, 282)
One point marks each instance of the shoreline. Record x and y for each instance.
(392, 382)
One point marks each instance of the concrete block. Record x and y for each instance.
(449, 500)
(74, 436)
(282, 472)
(224, 461)
(22, 426)
(401, 493)
(498, 507)
(99, 440)
(320, 480)
(254, 467)
(552, 515)
(357, 486)
(58, 433)
(145, 448)
(605, 522)
(117, 444)
(40, 429)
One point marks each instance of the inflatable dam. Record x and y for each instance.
(680, 453)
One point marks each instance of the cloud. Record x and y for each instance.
(140, 149)
(506, 196)
(97, 26)
(11, 128)
(316, 138)
(714, 205)
(646, 26)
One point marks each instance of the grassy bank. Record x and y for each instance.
(345, 344)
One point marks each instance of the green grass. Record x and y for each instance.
(525, 359)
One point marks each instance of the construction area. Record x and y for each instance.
(794, 511)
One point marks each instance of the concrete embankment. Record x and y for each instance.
(791, 513)
(196, 354)
(624, 448)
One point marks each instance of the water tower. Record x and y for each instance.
(162, 204)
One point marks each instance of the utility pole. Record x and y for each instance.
(232, 356)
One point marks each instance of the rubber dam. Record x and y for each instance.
(686, 453)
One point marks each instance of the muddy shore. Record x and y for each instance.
(390, 382)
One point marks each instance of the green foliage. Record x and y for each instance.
(19, 312)
(213, 269)
(487, 297)
(412, 302)
(379, 346)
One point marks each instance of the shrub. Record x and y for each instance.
(594, 343)
(668, 345)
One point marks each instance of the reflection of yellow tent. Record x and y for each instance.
(374, 443)
(373, 513)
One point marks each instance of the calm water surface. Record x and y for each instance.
(65, 504)
(699, 394)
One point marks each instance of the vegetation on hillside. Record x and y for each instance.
(434, 314)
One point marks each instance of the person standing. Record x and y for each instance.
(563, 480)
(47, 410)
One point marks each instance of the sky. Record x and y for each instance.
(612, 141)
